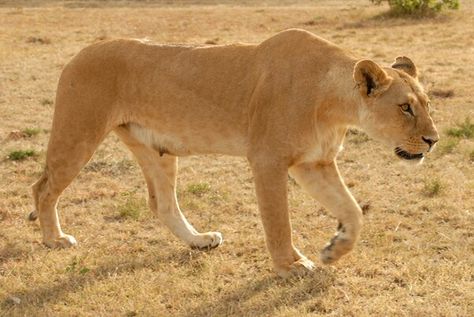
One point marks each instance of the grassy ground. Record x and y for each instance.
(415, 256)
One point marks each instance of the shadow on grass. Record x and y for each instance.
(57, 290)
(275, 292)
(13, 252)
(284, 292)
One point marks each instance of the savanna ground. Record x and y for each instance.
(415, 255)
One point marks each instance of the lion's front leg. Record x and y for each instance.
(271, 187)
(324, 183)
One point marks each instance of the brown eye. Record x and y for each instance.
(406, 108)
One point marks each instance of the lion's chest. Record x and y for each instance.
(321, 154)
(324, 147)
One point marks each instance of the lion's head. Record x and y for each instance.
(395, 109)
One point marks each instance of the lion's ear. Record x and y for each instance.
(371, 79)
(405, 64)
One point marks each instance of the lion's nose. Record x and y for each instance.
(430, 141)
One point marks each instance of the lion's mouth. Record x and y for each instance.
(408, 156)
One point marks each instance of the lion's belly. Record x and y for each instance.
(182, 144)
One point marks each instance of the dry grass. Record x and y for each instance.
(415, 256)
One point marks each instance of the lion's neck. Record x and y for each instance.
(341, 106)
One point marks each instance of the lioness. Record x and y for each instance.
(285, 104)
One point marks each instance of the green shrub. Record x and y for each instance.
(199, 189)
(432, 188)
(76, 265)
(132, 207)
(30, 132)
(419, 7)
(463, 130)
(447, 145)
(20, 155)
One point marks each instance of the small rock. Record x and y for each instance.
(15, 300)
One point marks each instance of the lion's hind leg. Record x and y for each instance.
(46, 199)
(160, 171)
(65, 158)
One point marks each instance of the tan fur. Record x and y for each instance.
(285, 104)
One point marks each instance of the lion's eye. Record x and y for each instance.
(406, 108)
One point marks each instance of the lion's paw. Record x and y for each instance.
(301, 267)
(335, 249)
(207, 240)
(64, 241)
(33, 216)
